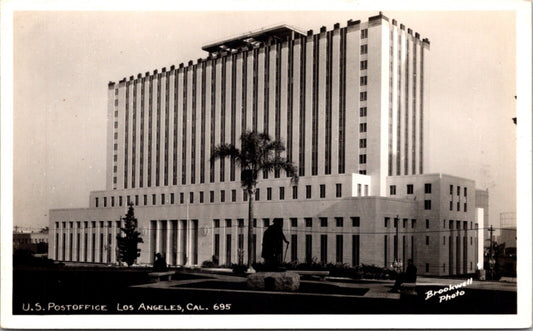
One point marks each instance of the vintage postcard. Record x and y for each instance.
(266, 166)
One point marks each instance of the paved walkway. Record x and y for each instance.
(376, 288)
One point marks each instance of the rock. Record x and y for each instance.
(274, 281)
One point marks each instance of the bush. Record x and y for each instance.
(239, 268)
(208, 264)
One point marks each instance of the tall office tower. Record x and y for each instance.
(350, 105)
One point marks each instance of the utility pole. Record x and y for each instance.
(491, 259)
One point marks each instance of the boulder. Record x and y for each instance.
(274, 281)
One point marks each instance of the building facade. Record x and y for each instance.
(350, 105)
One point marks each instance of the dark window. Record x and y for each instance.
(294, 247)
(451, 205)
(362, 111)
(386, 224)
(465, 207)
(324, 248)
(362, 143)
(458, 206)
(228, 223)
(308, 248)
(427, 267)
(295, 192)
(362, 127)
(240, 223)
(404, 225)
(392, 190)
(201, 197)
(211, 196)
(257, 194)
(355, 250)
(427, 204)
(153, 199)
(427, 224)
(308, 222)
(427, 240)
(339, 248)
(356, 221)
(458, 190)
(216, 223)
(222, 196)
(182, 197)
(409, 188)
(244, 195)
(294, 222)
(266, 222)
(427, 188)
(171, 198)
(339, 221)
(308, 191)
(162, 198)
(362, 95)
(96, 202)
(269, 193)
(364, 65)
(362, 158)
(465, 191)
(191, 197)
(338, 190)
(323, 222)
(322, 190)
(282, 193)
(451, 189)
(413, 223)
(233, 195)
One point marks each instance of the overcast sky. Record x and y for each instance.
(64, 60)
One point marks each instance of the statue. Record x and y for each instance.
(273, 239)
(160, 264)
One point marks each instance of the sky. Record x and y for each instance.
(63, 62)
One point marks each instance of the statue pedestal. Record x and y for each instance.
(274, 281)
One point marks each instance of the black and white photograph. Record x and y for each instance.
(241, 166)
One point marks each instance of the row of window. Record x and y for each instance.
(355, 221)
(135, 200)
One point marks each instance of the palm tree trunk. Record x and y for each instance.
(250, 227)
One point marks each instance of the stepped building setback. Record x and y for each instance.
(351, 106)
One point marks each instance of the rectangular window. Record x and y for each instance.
(427, 224)
(427, 240)
(308, 222)
(451, 205)
(364, 65)
(364, 49)
(364, 33)
(105, 201)
(362, 158)
(282, 193)
(458, 206)
(465, 207)
(323, 222)
(362, 143)
(362, 127)
(386, 224)
(257, 194)
(294, 247)
(362, 96)
(201, 196)
(96, 202)
(216, 252)
(465, 191)
(222, 196)
(338, 190)
(244, 195)
(269, 193)
(362, 112)
(295, 192)
(228, 249)
(451, 189)
(392, 190)
(182, 197)
(294, 222)
(240, 222)
(211, 196)
(191, 197)
(162, 198)
(356, 221)
(339, 222)
(153, 199)
(171, 199)
(233, 195)
(228, 223)
(355, 250)
(363, 80)
(322, 190)
(266, 222)
(427, 204)
(308, 248)
(427, 267)
(413, 223)
(427, 188)
(216, 223)
(324, 248)
(458, 190)
(409, 188)
(308, 191)
(339, 248)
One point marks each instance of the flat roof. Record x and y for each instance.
(280, 32)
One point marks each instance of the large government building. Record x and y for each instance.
(351, 106)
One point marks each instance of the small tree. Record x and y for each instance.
(127, 243)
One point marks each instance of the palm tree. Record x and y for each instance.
(258, 153)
